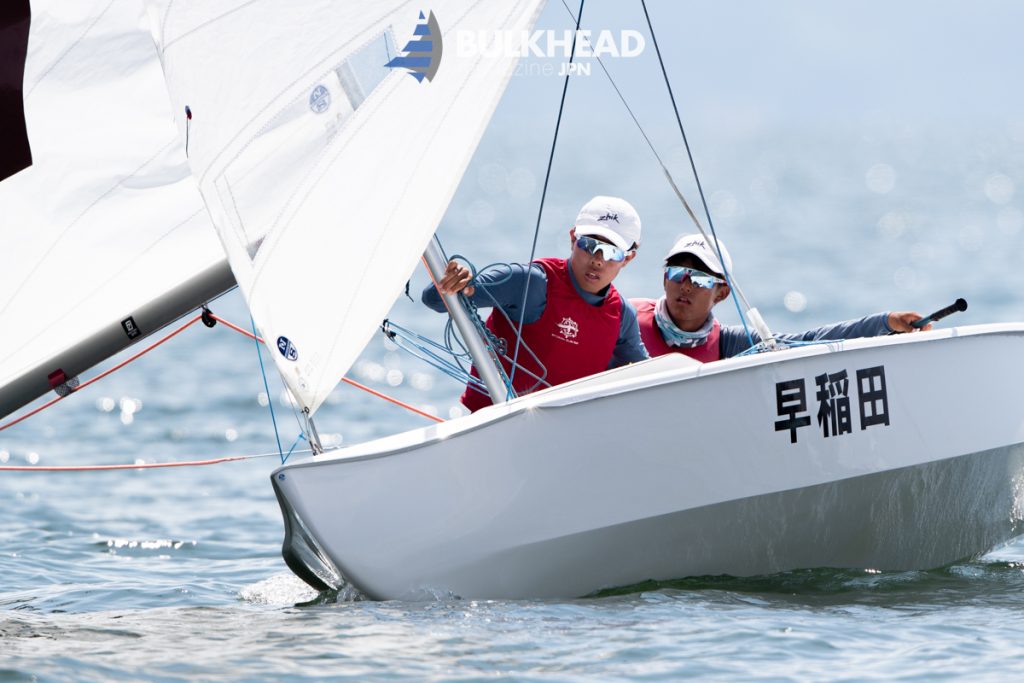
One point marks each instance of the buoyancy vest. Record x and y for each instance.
(655, 343)
(572, 338)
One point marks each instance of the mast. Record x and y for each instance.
(311, 434)
(482, 359)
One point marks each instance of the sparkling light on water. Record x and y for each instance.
(521, 183)
(892, 224)
(283, 590)
(421, 381)
(331, 440)
(795, 301)
(158, 544)
(370, 371)
(725, 206)
(999, 188)
(130, 405)
(492, 178)
(880, 178)
(480, 213)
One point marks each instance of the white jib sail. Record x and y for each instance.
(107, 219)
(325, 171)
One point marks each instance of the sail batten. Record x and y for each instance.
(325, 164)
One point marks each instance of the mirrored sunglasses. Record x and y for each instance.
(698, 277)
(609, 252)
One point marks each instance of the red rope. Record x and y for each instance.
(101, 375)
(157, 343)
(141, 466)
(346, 380)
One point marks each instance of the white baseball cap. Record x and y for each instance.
(707, 252)
(612, 218)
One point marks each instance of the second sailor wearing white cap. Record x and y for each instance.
(694, 280)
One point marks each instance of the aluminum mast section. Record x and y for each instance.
(483, 360)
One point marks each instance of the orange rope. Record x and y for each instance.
(101, 375)
(149, 348)
(346, 380)
(141, 466)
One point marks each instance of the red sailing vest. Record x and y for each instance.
(571, 338)
(655, 343)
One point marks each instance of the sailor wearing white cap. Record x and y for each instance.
(575, 323)
(695, 279)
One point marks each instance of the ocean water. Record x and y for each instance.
(175, 574)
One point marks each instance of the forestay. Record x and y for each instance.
(104, 234)
(324, 170)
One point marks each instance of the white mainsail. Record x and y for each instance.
(104, 235)
(326, 172)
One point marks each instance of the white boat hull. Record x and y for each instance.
(669, 468)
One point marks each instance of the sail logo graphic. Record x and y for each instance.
(287, 349)
(568, 328)
(319, 99)
(422, 52)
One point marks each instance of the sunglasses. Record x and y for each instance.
(609, 252)
(697, 277)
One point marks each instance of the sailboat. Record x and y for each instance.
(325, 155)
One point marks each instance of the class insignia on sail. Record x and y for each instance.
(423, 52)
(287, 349)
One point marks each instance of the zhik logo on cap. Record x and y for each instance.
(422, 52)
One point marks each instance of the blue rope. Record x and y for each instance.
(543, 195)
(266, 387)
(436, 354)
(498, 345)
(300, 437)
(451, 338)
(696, 177)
